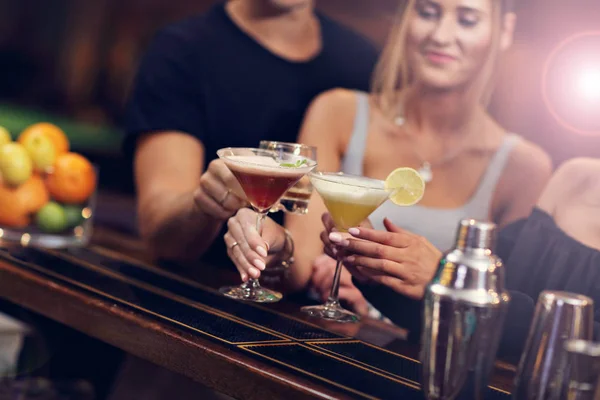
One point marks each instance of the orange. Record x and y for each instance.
(17, 203)
(33, 194)
(54, 133)
(73, 179)
(12, 213)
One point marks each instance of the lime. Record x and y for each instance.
(15, 164)
(73, 214)
(4, 136)
(407, 184)
(52, 218)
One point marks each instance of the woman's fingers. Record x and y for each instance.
(363, 247)
(328, 222)
(255, 242)
(328, 247)
(247, 241)
(241, 263)
(382, 265)
(356, 273)
(245, 246)
(398, 238)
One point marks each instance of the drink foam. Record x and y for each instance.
(350, 189)
(264, 165)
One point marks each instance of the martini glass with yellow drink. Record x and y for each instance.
(350, 200)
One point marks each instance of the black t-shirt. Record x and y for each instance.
(206, 77)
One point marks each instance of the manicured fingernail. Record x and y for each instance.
(350, 259)
(335, 237)
(354, 231)
(338, 239)
(244, 277)
(254, 272)
(259, 264)
(262, 251)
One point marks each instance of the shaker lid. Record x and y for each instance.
(473, 234)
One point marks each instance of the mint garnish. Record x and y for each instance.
(297, 164)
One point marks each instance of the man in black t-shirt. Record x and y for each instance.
(243, 72)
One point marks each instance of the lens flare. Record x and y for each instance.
(571, 83)
(589, 84)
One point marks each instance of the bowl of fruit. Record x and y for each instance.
(47, 193)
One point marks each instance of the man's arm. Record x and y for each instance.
(180, 209)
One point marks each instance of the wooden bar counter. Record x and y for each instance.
(109, 291)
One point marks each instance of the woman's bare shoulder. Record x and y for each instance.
(579, 170)
(528, 169)
(524, 177)
(571, 179)
(531, 158)
(330, 115)
(334, 105)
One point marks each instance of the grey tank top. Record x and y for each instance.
(438, 225)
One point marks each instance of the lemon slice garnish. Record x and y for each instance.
(407, 184)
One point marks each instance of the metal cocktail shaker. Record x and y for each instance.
(581, 379)
(559, 317)
(465, 306)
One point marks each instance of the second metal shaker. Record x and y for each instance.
(559, 316)
(581, 371)
(465, 307)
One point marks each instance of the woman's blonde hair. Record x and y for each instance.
(393, 74)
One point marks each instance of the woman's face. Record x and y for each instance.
(448, 41)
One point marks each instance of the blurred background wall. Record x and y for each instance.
(76, 58)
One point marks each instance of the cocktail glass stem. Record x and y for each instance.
(251, 289)
(335, 287)
(332, 309)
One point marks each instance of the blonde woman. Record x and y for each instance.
(427, 110)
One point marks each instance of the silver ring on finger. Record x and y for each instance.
(233, 245)
(224, 199)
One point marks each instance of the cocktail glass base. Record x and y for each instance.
(331, 311)
(251, 292)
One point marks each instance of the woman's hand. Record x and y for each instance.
(330, 248)
(246, 248)
(397, 258)
(219, 194)
(322, 280)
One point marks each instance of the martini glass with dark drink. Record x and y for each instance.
(265, 175)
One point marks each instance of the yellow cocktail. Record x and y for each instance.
(350, 200)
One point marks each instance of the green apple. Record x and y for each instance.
(15, 164)
(4, 136)
(41, 150)
(52, 218)
(74, 215)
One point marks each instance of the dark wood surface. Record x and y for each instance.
(206, 362)
(213, 364)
